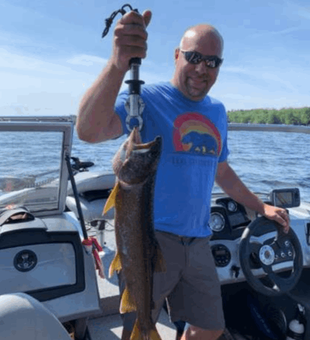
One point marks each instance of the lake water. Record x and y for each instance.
(263, 160)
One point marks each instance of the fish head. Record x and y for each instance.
(136, 161)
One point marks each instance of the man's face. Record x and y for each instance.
(195, 81)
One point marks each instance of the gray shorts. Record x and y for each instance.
(190, 284)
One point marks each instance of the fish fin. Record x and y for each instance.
(110, 203)
(159, 261)
(115, 265)
(127, 303)
(154, 335)
(137, 334)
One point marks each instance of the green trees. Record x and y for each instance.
(305, 116)
(289, 116)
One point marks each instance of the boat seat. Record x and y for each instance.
(23, 317)
(91, 181)
(92, 211)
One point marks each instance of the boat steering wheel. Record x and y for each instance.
(282, 248)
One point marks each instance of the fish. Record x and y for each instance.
(138, 252)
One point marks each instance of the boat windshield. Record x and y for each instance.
(30, 169)
(33, 171)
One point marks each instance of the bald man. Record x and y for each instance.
(193, 127)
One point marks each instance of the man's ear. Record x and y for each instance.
(176, 54)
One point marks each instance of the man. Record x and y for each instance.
(194, 130)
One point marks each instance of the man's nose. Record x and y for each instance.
(201, 68)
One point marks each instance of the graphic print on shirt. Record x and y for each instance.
(195, 133)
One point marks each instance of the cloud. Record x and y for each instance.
(10, 41)
(30, 85)
(33, 86)
(252, 75)
(17, 62)
(293, 18)
(287, 30)
(86, 60)
(304, 12)
(237, 94)
(43, 87)
(263, 84)
(294, 11)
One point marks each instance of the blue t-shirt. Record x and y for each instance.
(194, 135)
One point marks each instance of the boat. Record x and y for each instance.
(264, 273)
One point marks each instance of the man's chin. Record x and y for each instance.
(197, 94)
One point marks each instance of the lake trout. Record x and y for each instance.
(138, 252)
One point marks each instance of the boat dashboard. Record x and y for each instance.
(229, 220)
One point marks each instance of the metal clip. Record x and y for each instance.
(134, 104)
(134, 107)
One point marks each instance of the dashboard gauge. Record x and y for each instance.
(217, 222)
(232, 206)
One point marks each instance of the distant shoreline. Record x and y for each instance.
(287, 116)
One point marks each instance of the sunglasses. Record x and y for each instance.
(195, 58)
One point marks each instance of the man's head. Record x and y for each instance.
(193, 78)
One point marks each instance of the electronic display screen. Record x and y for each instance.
(220, 252)
(283, 198)
(286, 198)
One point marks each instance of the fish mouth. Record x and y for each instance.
(136, 161)
(136, 137)
(136, 144)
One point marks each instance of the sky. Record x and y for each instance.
(52, 51)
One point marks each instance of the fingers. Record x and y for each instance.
(282, 217)
(284, 220)
(130, 37)
(147, 16)
(279, 215)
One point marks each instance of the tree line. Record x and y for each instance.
(289, 116)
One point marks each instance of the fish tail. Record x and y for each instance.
(110, 203)
(137, 334)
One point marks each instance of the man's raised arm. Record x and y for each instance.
(97, 121)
